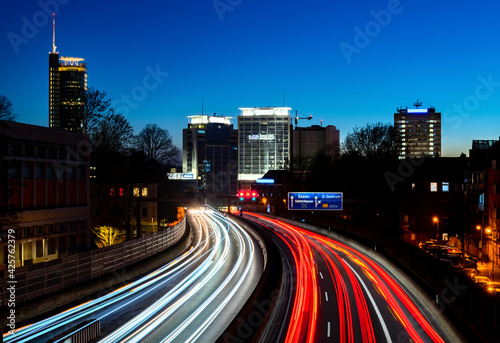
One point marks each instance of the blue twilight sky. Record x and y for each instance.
(345, 62)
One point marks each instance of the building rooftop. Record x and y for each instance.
(483, 144)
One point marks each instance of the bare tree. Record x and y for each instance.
(156, 144)
(6, 112)
(107, 236)
(95, 109)
(370, 141)
(113, 133)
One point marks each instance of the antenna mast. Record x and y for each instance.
(53, 33)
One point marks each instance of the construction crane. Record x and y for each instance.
(297, 118)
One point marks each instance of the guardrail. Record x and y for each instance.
(44, 278)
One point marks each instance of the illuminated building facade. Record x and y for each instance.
(209, 154)
(67, 86)
(417, 132)
(263, 141)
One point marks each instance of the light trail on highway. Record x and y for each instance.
(342, 295)
(204, 287)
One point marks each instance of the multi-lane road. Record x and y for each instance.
(193, 298)
(335, 292)
(342, 294)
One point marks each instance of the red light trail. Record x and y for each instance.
(364, 292)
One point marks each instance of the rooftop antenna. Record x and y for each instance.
(53, 33)
(417, 104)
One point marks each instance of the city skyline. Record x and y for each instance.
(345, 64)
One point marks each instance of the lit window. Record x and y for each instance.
(434, 187)
(112, 192)
(136, 191)
(120, 192)
(144, 192)
(446, 186)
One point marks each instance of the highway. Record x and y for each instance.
(343, 294)
(191, 299)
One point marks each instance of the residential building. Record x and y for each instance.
(126, 191)
(431, 200)
(483, 199)
(264, 142)
(417, 132)
(48, 186)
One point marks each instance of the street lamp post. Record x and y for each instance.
(489, 230)
(479, 227)
(435, 219)
(493, 257)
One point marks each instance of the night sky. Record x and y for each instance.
(344, 62)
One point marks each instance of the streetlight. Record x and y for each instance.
(489, 230)
(435, 219)
(479, 227)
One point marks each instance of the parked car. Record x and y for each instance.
(425, 244)
(470, 272)
(481, 280)
(493, 287)
(437, 250)
(470, 262)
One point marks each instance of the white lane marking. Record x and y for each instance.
(326, 296)
(320, 274)
(328, 332)
(379, 315)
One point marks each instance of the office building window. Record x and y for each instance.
(446, 186)
(434, 187)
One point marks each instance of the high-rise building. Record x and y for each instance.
(263, 141)
(67, 86)
(209, 153)
(417, 132)
(309, 142)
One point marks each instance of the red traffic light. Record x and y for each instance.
(247, 195)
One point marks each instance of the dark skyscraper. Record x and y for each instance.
(210, 152)
(67, 85)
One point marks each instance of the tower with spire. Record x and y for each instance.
(67, 86)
